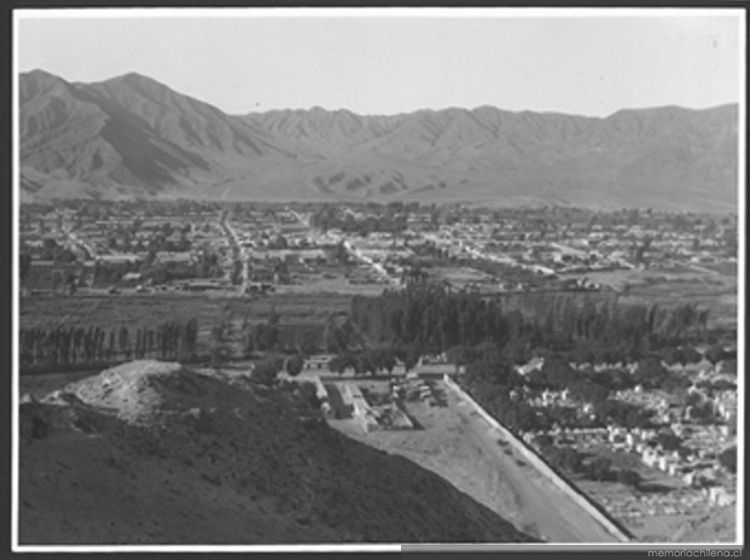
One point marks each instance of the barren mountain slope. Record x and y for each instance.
(649, 157)
(154, 453)
(132, 136)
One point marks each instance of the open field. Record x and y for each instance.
(460, 447)
(711, 286)
(147, 309)
(720, 299)
(338, 285)
(459, 276)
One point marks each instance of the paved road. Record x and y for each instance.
(545, 509)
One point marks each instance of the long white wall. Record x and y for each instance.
(535, 460)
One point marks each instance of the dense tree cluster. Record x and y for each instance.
(682, 355)
(262, 337)
(372, 361)
(623, 414)
(668, 440)
(628, 477)
(222, 348)
(563, 458)
(205, 265)
(568, 460)
(52, 251)
(600, 468)
(266, 370)
(112, 273)
(496, 386)
(474, 332)
(273, 336)
(430, 318)
(391, 218)
(494, 383)
(25, 264)
(294, 365)
(728, 459)
(434, 319)
(341, 335)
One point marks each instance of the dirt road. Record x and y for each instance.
(461, 447)
(542, 505)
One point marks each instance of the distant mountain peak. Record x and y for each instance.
(137, 82)
(133, 77)
(40, 74)
(36, 82)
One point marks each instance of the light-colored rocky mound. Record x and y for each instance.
(136, 392)
(155, 453)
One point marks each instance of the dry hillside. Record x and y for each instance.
(154, 453)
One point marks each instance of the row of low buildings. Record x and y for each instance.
(387, 415)
(360, 408)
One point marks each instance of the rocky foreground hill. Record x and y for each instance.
(153, 453)
(132, 136)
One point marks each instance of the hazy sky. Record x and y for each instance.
(383, 62)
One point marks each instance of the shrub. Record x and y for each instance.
(728, 459)
(599, 468)
(294, 365)
(628, 477)
(669, 441)
(265, 371)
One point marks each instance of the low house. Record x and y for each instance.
(689, 478)
(320, 391)
(258, 288)
(318, 362)
(119, 258)
(327, 410)
(718, 496)
(174, 256)
(131, 279)
(649, 456)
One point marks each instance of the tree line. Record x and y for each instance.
(433, 319)
(63, 348)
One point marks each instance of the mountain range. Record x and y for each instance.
(132, 136)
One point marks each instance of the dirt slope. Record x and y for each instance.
(162, 455)
(461, 447)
